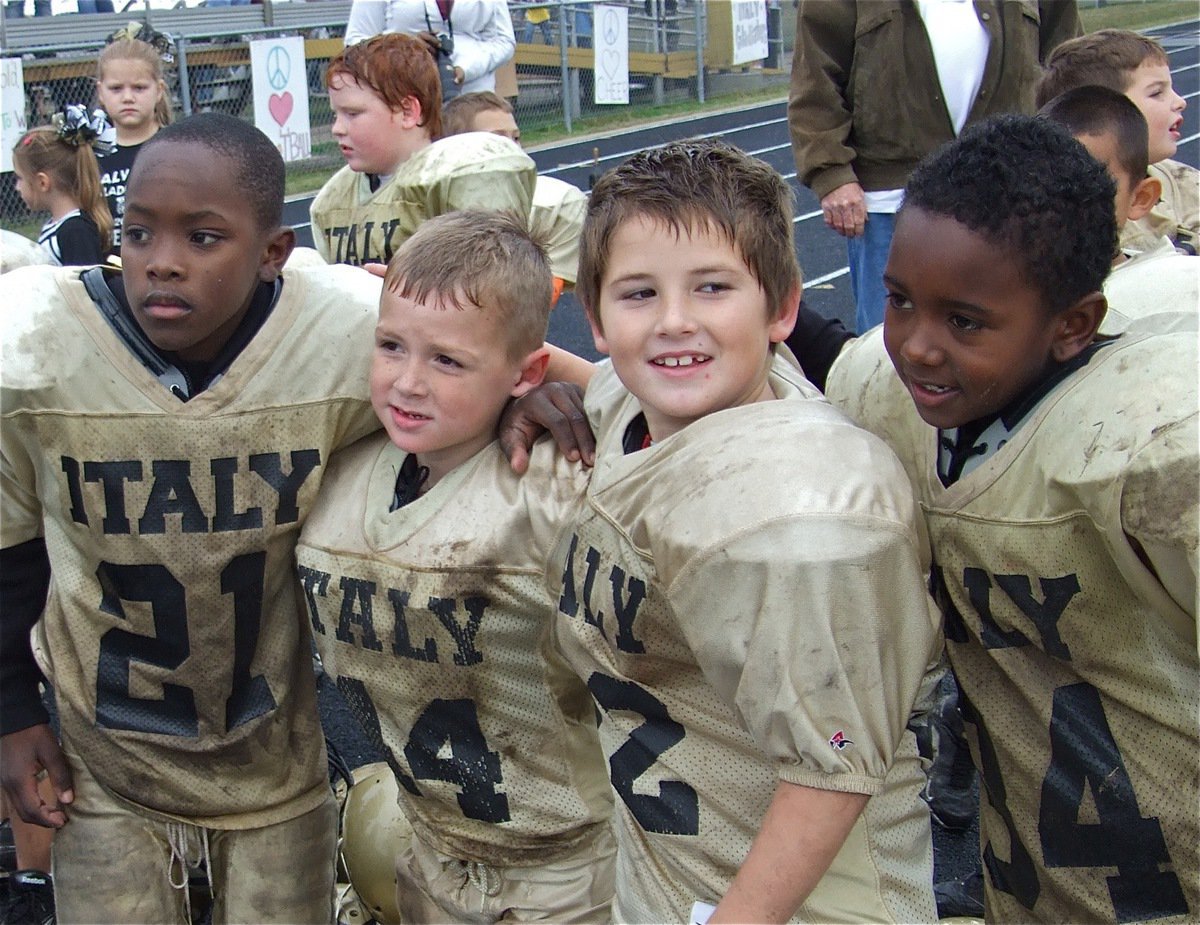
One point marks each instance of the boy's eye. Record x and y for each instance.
(387, 346)
(963, 323)
(135, 234)
(442, 360)
(205, 238)
(714, 288)
(638, 295)
(897, 302)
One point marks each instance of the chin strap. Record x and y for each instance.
(114, 313)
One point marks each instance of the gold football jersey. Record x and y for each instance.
(555, 221)
(1066, 570)
(477, 170)
(435, 622)
(173, 633)
(1177, 214)
(1157, 292)
(747, 606)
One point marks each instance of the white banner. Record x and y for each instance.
(749, 31)
(612, 54)
(280, 84)
(12, 109)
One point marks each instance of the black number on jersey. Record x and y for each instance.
(676, 810)
(1083, 754)
(175, 713)
(471, 766)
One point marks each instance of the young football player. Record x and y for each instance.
(1057, 470)
(386, 99)
(1161, 281)
(1137, 66)
(422, 566)
(164, 432)
(755, 655)
(556, 214)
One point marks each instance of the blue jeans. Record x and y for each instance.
(868, 255)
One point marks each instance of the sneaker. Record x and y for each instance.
(30, 899)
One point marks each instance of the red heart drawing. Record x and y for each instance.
(280, 105)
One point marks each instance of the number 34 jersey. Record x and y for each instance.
(737, 628)
(1067, 575)
(173, 633)
(434, 620)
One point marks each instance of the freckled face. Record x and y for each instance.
(1152, 91)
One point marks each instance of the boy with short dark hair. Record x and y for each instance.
(423, 568)
(1159, 282)
(1137, 66)
(160, 453)
(755, 655)
(386, 99)
(1057, 469)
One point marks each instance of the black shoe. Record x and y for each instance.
(30, 899)
(962, 897)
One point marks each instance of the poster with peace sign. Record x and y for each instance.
(280, 80)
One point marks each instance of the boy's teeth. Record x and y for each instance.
(677, 361)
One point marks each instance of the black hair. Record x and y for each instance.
(259, 172)
(1096, 111)
(1029, 188)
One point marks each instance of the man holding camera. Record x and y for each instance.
(470, 39)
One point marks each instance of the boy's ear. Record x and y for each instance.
(410, 112)
(1076, 327)
(597, 332)
(782, 326)
(278, 249)
(533, 371)
(1144, 197)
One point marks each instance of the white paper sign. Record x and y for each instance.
(612, 54)
(749, 31)
(12, 108)
(281, 94)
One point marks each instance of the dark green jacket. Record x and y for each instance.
(866, 104)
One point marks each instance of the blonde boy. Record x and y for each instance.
(1137, 66)
(386, 100)
(422, 566)
(755, 654)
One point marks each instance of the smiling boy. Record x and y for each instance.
(160, 454)
(1057, 469)
(755, 655)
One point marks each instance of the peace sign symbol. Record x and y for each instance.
(279, 67)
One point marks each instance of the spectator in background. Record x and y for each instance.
(537, 17)
(482, 32)
(878, 84)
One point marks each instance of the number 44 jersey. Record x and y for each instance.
(173, 634)
(1066, 570)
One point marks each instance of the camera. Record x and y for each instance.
(445, 48)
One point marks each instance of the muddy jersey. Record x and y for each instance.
(1066, 570)
(734, 635)
(1159, 288)
(555, 221)
(477, 170)
(173, 634)
(435, 622)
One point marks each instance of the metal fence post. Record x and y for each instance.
(570, 88)
(185, 88)
(701, 41)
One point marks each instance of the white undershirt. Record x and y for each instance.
(960, 49)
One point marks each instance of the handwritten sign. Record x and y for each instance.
(612, 55)
(12, 109)
(749, 31)
(280, 85)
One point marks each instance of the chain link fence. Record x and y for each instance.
(679, 51)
